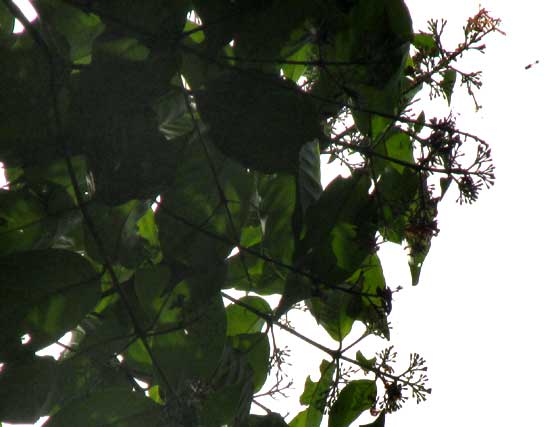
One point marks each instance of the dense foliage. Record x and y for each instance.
(162, 155)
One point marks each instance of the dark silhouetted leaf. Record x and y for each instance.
(104, 408)
(27, 389)
(46, 293)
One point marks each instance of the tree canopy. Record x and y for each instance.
(162, 155)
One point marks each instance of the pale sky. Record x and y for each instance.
(479, 315)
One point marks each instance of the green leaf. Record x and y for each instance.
(258, 120)
(117, 230)
(198, 35)
(23, 221)
(148, 19)
(251, 235)
(45, 294)
(27, 389)
(366, 364)
(315, 396)
(232, 384)
(355, 398)
(371, 308)
(425, 42)
(245, 272)
(7, 22)
(448, 83)
(331, 311)
(173, 115)
(79, 29)
(256, 350)
(191, 336)
(420, 120)
(399, 19)
(337, 229)
(303, 54)
(241, 320)
(105, 333)
(396, 145)
(277, 198)
(82, 374)
(150, 285)
(298, 287)
(26, 104)
(57, 172)
(266, 30)
(309, 175)
(114, 407)
(195, 227)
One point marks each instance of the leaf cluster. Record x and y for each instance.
(161, 156)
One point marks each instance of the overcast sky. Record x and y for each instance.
(479, 315)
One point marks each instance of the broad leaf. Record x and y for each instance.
(27, 389)
(256, 350)
(45, 294)
(242, 320)
(355, 398)
(188, 340)
(23, 221)
(104, 408)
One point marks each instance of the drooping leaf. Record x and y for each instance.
(331, 311)
(373, 306)
(355, 398)
(448, 84)
(277, 196)
(309, 175)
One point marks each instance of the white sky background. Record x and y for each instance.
(479, 315)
